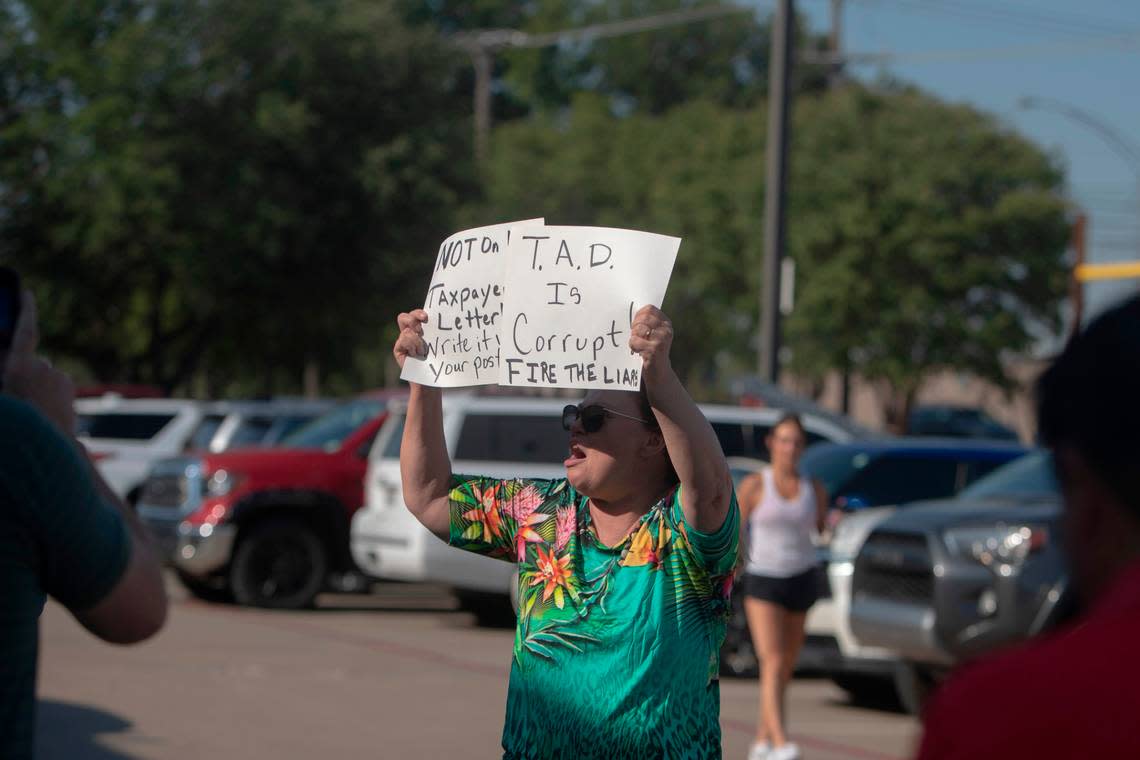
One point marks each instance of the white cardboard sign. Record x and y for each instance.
(465, 306)
(570, 298)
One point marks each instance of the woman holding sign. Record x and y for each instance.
(625, 565)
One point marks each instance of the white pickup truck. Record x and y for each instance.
(502, 436)
(126, 436)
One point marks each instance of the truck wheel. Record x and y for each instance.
(206, 589)
(280, 564)
(490, 610)
(865, 689)
(737, 655)
(914, 685)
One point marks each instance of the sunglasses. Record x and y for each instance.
(592, 416)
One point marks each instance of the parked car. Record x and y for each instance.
(869, 480)
(957, 422)
(945, 581)
(267, 526)
(243, 424)
(502, 437)
(862, 478)
(125, 437)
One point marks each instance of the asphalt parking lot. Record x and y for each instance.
(398, 674)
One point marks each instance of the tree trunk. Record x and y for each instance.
(900, 400)
(312, 378)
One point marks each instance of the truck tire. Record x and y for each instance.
(207, 589)
(914, 685)
(490, 610)
(867, 689)
(280, 564)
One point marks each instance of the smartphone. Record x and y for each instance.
(9, 305)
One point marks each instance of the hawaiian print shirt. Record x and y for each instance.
(616, 650)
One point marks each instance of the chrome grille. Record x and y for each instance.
(895, 567)
(170, 491)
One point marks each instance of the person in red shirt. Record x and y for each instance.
(1076, 692)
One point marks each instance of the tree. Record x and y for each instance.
(722, 59)
(926, 235)
(236, 185)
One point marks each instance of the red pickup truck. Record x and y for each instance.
(265, 527)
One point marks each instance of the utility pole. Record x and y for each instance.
(835, 42)
(779, 87)
(482, 44)
(834, 81)
(1076, 285)
(484, 67)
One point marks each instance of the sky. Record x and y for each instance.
(1079, 56)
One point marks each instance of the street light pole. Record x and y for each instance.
(779, 87)
(482, 44)
(1123, 147)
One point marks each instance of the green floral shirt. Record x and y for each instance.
(616, 650)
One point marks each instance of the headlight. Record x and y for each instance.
(221, 482)
(996, 545)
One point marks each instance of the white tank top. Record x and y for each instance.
(779, 531)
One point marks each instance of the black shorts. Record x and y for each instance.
(795, 594)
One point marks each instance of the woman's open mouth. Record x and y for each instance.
(577, 454)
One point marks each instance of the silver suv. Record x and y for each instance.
(942, 582)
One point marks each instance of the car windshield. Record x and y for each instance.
(833, 465)
(329, 431)
(1030, 475)
(139, 426)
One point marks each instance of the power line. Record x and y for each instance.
(482, 44)
(516, 38)
(1023, 20)
(1121, 42)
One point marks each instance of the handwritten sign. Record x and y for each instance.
(571, 296)
(465, 306)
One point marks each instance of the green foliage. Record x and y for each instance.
(221, 183)
(926, 235)
(236, 190)
(695, 174)
(723, 59)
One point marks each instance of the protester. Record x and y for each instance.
(62, 532)
(779, 511)
(1073, 693)
(624, 574)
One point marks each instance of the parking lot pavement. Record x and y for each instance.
(398, 674)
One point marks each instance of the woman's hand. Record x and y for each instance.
(651, 336)
(410, 341)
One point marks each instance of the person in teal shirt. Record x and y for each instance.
(625, 565)
(63, 533)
